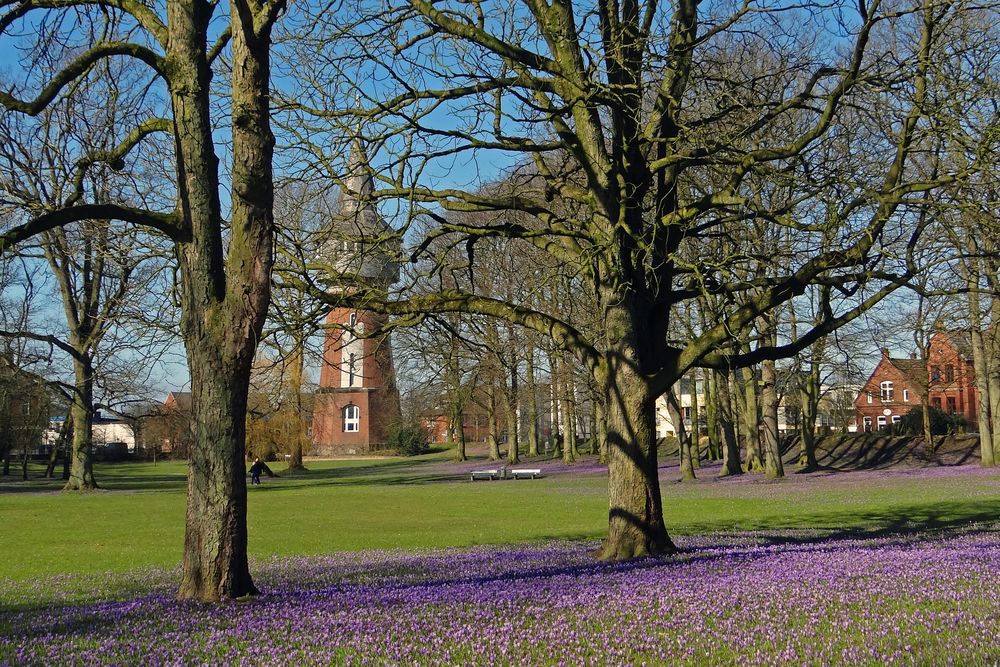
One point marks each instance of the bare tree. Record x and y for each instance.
(646, 128)
(224, 264)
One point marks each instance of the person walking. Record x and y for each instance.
(255, 471)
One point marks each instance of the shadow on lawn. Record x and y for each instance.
(935, 520)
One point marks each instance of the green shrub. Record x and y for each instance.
(942, 423)
(409, 438)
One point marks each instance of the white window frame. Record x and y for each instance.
(880, 422)
(870, 396)
(352, 418)
(906, 396)
(866, 424)
(887, 391)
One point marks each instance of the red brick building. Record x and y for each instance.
(896, 385)
(357, 399)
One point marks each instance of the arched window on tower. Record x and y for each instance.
(352, 419)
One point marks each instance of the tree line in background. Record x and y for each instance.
(618, 198)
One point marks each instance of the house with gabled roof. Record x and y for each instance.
(896, 385)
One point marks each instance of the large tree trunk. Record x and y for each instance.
(635, 516)
(224, 295)
(81, 471)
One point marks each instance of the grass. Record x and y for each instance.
(893, 566)
(137, 519)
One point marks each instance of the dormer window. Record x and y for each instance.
(887, 391)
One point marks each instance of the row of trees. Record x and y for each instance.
(698, 176)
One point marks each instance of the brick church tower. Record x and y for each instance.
(357, 398)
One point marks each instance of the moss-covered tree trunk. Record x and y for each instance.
(635, 513)
(224, 294)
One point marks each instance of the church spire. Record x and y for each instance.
(358, 181)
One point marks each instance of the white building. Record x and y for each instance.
(104, 431)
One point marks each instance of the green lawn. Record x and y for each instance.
(137, 520)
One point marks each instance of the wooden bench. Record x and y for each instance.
(485, 474)
(529, 473)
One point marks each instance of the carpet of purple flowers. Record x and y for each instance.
(745, 599)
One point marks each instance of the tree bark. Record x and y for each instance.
(773, 466)
(683, 439)
(980, 364)
(224, 295)
(513, 441)
(81, 471)
(635, 516)
(712, 414)
(695, 434)
(532, 400)
(731, 464)
(751, 420)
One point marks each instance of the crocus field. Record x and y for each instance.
(892, 566)
(743, 599)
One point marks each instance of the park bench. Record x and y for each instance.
(528, 473)
(485, 474)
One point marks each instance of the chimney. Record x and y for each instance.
(913, 355)
(885, 352)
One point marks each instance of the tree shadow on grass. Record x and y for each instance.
(932, 520)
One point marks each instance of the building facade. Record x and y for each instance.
(896, 385)
(357, 400)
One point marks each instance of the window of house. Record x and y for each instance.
(935, 373)
(352, 419)
(949, 373)
(869, 397)
(906, 395)
(867, 424)
(936, 402)
(887, 391)
(952, 405)
(896, 419)
(881, 422)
